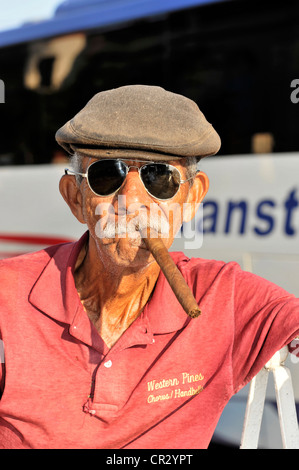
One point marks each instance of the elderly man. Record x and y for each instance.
(99, 353)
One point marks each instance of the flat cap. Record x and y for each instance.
(140, 121)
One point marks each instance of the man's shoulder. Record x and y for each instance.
(185, 262)
(207, 269)
(28, 264)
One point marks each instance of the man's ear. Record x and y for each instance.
(196, 194)
(72, 195)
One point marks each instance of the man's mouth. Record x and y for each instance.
(125, 227)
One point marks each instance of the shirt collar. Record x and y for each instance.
(54, 291)
(62, 301)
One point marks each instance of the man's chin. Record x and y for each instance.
(128, 239)
(125, 251)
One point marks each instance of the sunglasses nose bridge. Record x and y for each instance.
(132, 166)
(128, 168)
(133, 186)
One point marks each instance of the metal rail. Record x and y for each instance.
(285, 404)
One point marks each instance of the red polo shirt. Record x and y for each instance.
(163, 384)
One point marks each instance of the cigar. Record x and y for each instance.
(174, 277)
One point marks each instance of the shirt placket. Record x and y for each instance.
(117, 375)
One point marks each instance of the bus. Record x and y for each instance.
(238, 59)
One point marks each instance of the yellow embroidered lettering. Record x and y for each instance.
(178, 393)
(152, 398)
(191, 378)
(174, 393)
(164, 383)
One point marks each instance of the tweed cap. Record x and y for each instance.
(140, 121)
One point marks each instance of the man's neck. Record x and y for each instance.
(113, 298)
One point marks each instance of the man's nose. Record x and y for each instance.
(132, 195)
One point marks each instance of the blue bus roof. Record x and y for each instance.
(79, 15)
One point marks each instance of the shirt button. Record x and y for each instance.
(108, 364)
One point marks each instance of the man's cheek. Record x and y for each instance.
(103, 212)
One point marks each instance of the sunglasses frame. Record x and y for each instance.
(128, 167)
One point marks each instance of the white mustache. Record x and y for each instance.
(132, 228)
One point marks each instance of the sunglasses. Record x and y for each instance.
(105, 177)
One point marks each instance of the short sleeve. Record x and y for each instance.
(266, 319)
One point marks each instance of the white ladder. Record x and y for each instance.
(285, 404)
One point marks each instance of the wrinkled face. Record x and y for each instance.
(114, 221)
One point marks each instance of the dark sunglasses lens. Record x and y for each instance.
(161, 181)
(106, 176)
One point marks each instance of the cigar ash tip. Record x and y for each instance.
(194, 313)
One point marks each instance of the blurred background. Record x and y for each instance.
(235, 58)
(238, 59)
